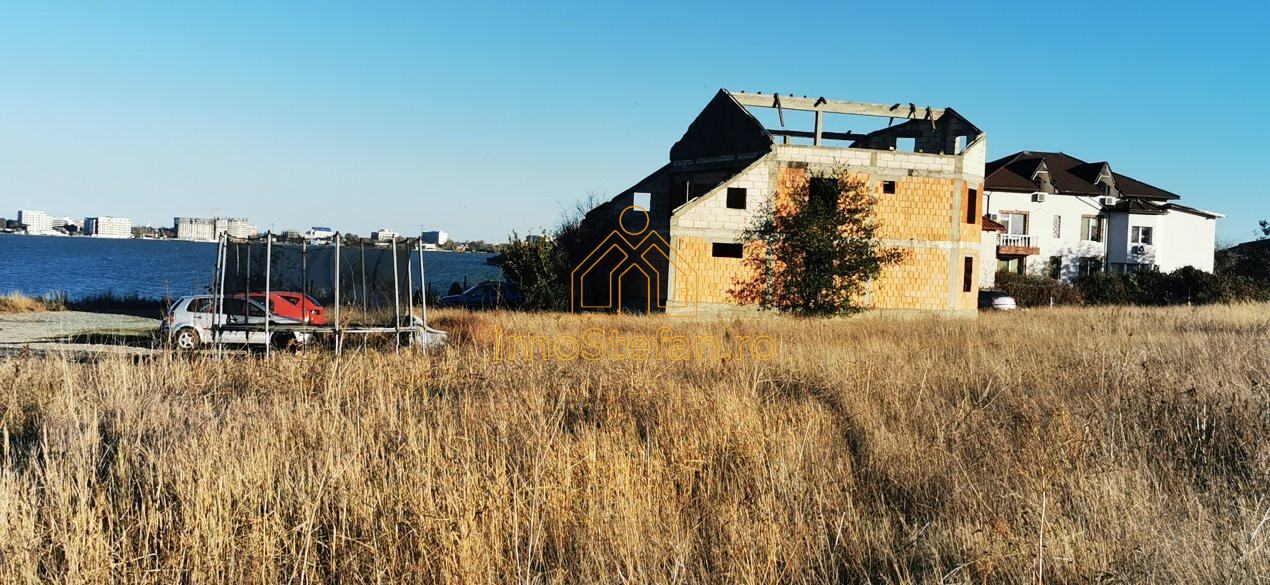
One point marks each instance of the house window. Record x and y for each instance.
(972, 206)
(1055, 266)
(1013, 264)
(1141, 235)
(1058, 226)
(1090, 265)
(968, 274)
(643, 201)
(1090, 228)
(888, 187)
(1015, 222)
(736, 197)
(725, 250)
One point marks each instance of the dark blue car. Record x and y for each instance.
(486, 295)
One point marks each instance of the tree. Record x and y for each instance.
(541, 268)
(813, 250)
(543, 265)
(1264, 227)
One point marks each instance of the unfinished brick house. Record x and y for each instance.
(926, 166)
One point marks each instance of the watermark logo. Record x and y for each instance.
(615, 262)
(650, 272)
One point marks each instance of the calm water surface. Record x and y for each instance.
(80, 266)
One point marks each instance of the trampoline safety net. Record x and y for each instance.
(366, 279)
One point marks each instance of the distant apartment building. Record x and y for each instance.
(207, 229)
(236, 227)
(319, 233)
(198, 229)
(66, 224)
(436, 238)
(1062, 217)
(37, 223)
(384, 235)
(108, 227)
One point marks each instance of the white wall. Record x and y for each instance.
(987, 260)
(1119, 245)
(1068, 245)
(1185, 239)
(1178, 238)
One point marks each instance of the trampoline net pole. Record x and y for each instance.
(396, 299)
(337, 293)
(268, 290)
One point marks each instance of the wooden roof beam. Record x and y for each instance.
(788, 102)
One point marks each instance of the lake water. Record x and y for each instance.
(80, 266)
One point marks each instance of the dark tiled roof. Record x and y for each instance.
(1131, 187)
(1138, 207)
(1068, 174)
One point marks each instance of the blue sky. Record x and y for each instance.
(483, 118)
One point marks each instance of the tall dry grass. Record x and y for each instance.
(19, 303)
(1117, 445)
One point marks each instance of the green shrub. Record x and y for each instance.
(1037, 291)
(1184, 286)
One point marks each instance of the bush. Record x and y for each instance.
(1184, 286)
(542, 269)
(1104, 289)
(1038, 291)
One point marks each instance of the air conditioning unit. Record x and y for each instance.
(1139, 249)
(1107, 201)
(1038, 198)
(993, 216)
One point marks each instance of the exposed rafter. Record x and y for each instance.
(787, 102)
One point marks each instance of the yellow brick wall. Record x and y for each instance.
(714, 275)
(919, 282)
(923, 211)
(920, 209)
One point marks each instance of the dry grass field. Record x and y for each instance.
(1117, 445)
(19, 303)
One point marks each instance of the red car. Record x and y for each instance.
(293, 305)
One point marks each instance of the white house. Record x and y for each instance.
(1064, 217)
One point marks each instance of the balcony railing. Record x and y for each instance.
(1014, 240)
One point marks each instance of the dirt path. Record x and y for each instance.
(66, 331)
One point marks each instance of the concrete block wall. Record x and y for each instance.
(925, 217)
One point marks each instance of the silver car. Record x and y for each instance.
(189, 323)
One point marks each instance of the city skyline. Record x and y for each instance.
(235, 226)
(346, 115)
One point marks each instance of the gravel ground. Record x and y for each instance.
(45, 332)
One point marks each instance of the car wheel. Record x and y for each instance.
(186, 339)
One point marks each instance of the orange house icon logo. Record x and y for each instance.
(616, 260)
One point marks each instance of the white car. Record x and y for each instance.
(995, 300)
(189, 323)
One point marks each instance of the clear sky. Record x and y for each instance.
(480, 118)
